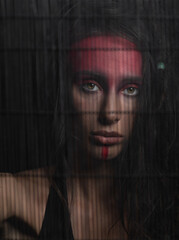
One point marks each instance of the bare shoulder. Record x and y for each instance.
(46, 172)
(25, 195)
(35, 180)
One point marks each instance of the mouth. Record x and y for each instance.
(106, 138)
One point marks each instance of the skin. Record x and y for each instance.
(105, 90)
(25, 195)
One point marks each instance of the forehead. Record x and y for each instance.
(106, 53)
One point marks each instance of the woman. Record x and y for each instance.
(111, 180)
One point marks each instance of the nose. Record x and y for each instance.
(110, 110)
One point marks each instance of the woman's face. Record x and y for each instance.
(107, 75)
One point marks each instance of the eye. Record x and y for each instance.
(131, 91)
(89, 87)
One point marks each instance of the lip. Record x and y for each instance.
(106, 138)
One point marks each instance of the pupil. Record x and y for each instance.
(91, 85)
(131, 89)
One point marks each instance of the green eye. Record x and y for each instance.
(131, 91)
(90, 87)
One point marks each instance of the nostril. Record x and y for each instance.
(108, 118)
(103, 121)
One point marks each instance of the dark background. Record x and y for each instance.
(29, 79)
(28, 83)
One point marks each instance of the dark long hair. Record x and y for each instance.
(144, 173)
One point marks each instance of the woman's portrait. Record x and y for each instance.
(89, 118)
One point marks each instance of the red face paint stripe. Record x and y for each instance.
(104, 153)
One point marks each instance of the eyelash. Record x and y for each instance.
(83, 87)
(130, 86)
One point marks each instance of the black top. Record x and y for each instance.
(56, 223)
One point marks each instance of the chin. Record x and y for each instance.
(105, 153)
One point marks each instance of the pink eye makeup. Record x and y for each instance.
(130, 90)
(91, 81)
(95, 82)
(89, 86)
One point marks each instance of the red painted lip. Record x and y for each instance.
(106, 138)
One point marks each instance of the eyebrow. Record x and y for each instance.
(132, 79)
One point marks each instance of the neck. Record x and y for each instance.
(92, 180)
(92, 202)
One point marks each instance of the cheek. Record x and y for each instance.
(128, 123)
(86, 103)
(86, 108)
(128, 116)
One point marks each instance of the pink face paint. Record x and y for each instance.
(104, 153)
